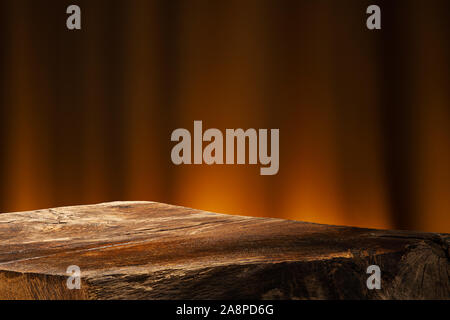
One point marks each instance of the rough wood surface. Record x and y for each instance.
(147, 250)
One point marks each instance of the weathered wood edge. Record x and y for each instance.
(419, 271)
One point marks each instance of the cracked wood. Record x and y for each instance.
(148, 250)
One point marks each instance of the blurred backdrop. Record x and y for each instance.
(364, 116)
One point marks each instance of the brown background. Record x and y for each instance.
(364, 116)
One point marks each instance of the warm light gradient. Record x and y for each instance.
(364, 116)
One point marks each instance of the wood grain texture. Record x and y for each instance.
(148, 250)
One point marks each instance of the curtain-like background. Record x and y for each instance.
(364, 116)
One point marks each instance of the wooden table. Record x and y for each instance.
(148, 250)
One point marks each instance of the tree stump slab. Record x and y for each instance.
(149, 250)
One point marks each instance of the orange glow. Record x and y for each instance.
(364, 118)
